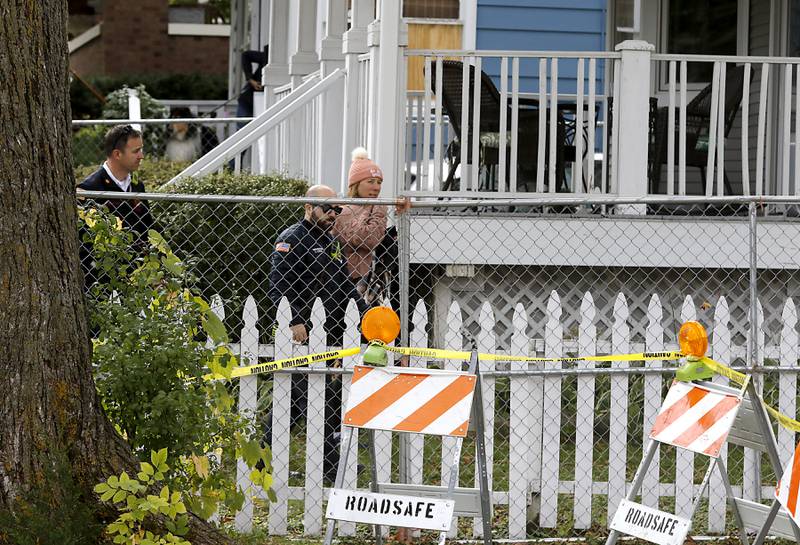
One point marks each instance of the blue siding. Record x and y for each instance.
(542, 25)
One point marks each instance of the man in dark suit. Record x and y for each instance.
(124, 153)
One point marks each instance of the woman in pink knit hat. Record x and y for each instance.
(360, 228)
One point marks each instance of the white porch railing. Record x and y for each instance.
(550, 127)
(555, 116)
(291, 147)
(533, 458)
(736, 131)
(295, 103)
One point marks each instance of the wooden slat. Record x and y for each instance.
(787, 383)
(487, 343)
(684, 459)
(720, 351)
(618, 425)
(654, 342)
(551, 429)
(315, 426)
(416, 442)
(452, 337)
(752, 458)
(584, 418)
(281, 409)
(352, 337)
(521, 422)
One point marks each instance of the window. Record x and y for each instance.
(431, 9)
(707, 27)
(628, 16)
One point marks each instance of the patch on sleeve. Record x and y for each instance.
(283, 247)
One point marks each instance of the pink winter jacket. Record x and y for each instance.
(360, 229)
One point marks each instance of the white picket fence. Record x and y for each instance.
(535, 451)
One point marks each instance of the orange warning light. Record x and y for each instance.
(380, 324)
(693, 340)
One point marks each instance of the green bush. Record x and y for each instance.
(231, 243)
(87, 147)
(85, 105)
(155, 341)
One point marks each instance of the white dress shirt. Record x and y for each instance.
(124, 185)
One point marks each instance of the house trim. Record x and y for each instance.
(469, 17)
(193, 29)
(425, 21)
(84, 38)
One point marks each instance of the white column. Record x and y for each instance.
(276, 73)
(331, 115)
(303, 59)
(353, 45)
(258, 153)
(389, 93)
(631, 114)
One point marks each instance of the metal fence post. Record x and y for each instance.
(404, 250)
(753, 343)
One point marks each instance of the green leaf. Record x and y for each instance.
(214, 328)
(101, 488)
(155, 238)
(119, 496)
(251, 452)
(172, 264)
(205, 507)
(158, 458)
(201, 465)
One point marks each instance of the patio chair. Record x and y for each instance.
(489, 129)
(698, 117)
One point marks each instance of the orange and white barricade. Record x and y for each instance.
(701, 417)
(412, 400)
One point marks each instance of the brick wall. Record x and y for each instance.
(193, 54)
(134, 40)
(89, 59)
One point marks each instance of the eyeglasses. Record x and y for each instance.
(328, 207)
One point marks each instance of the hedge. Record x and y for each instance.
(230, 244)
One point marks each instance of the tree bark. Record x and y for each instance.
(48, 403)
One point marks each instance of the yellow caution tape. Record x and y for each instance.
(272, 366)
(724, 370)
(739, 378)
(435, 353)
(788, 423)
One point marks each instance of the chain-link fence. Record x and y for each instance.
(533, 278)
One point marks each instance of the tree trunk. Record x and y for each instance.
(49, 408)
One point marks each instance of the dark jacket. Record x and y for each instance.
(250, 57)
(308, 263)
(134, 214)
